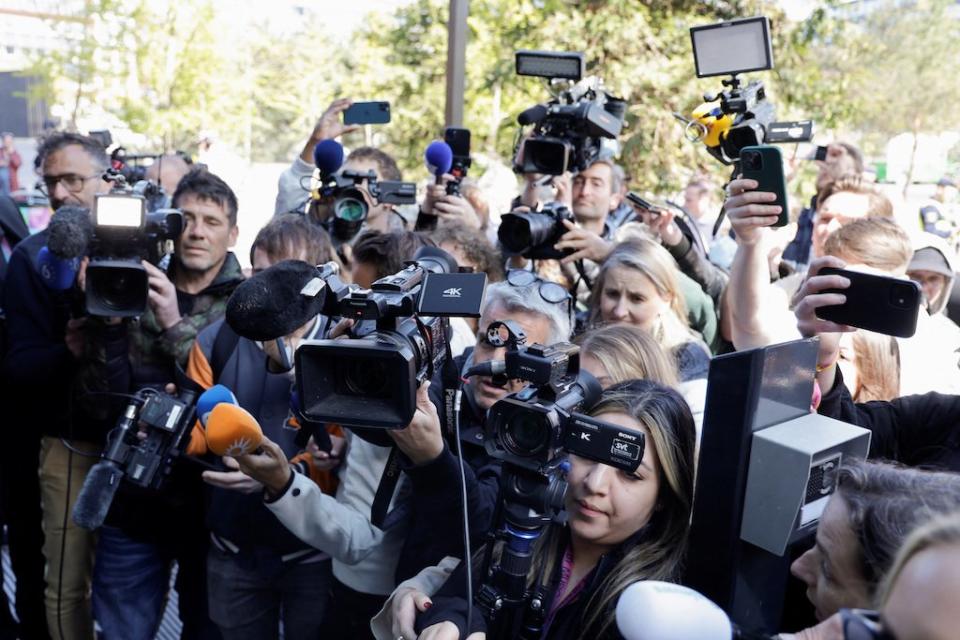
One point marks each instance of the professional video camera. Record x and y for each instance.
(531, 431)
(400, 340)
(145, 462)
(569, 129)
(744, 117)
(532, 234)
(348, 206)
(126, 231)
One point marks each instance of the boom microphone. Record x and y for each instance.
(438, 158)
(57, 273)
(653, 610)
(210, 398)
(532, 115)
(270, 305)
(232, 431)
(328, 156)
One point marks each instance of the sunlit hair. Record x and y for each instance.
(653, 261)
(879, 204)
(629, 353)
(876, 242)
(659, 550)
(886, 502)
(877, 359)
(941, 531)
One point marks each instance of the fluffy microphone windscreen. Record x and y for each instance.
(57, 273)
(232, 431)
(653, 610)
(69, 232)
(211, 398)
(328, 156)
(269, 305)
(96, 495)
(535, 113)
(438, 158)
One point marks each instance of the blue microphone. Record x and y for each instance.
(56, 272)
(217, 394)
(328, 156)
(438, 158)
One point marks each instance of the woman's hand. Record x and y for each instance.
(446, 631)
(403, 611)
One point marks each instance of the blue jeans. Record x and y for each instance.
(248, 604)
(130, 581)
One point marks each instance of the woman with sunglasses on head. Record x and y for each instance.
(621, 527)
(637, 285)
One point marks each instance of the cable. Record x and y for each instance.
(467, 557)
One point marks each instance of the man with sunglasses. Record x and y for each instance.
(38, 371)
(543, 310)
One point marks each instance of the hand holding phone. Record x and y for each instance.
(873, 302)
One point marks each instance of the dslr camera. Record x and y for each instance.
(532, 428)
(740, 116)
(347, 205)
(126, 231)
(569, 129)
(532, 234)
(399, 340)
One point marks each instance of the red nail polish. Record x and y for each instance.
(427, 605)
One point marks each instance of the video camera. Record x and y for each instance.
(399, 340)
(744, 117)
(534, 427)
(569, 129)
(348, 206)
(145, 462)
(126, 231)
(532, 234)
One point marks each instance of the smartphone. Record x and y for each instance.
(367, 113)
(764, 164)
(876, 303)
(821, 153)
(650, 207)
(459, 141)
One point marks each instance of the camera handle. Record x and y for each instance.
(733, 176)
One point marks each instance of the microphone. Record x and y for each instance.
(210, 398)
(439, 158)
(232, 431)
(270, 305)
(57, 273)
(328, 156)
(653, 610)
(532, 115)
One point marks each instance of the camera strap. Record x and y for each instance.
(385, 491)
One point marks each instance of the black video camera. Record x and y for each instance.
(532, 234)
(569, 129)
(400, 340)
(348, 206)
(744, 117)
(126, 231)
(532, 428)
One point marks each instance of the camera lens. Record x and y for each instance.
(350, 207)
(902, 295)
(366, 377)
(526, 434)
(753, 160)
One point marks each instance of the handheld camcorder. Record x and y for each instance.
(533, 234)
(399, 340)
(740, 116)
(348, 207)
(568, 130)
(145, 462)
(537, 425)
(126, 231)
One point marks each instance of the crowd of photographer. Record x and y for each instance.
(396, 428)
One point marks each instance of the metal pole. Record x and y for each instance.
(456, 61)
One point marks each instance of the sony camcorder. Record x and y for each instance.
(398, 341)
(347, 204)
(127, 231)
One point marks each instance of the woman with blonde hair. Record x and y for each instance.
(637, 285)
(870, 363)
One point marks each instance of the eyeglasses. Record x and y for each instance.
(863, 624)
(550, 291)
(71, 182)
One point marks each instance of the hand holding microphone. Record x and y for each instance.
(269, 467)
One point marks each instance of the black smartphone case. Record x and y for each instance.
(769, 175)
(367, 113)
(875, 303)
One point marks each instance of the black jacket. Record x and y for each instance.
(436, 518)
(919, 430)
